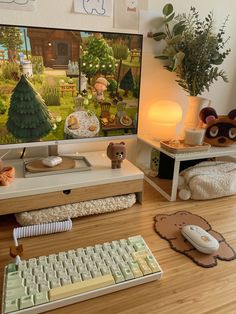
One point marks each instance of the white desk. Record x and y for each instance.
(168, 188)
(45, 191)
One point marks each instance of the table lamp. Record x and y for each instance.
(165, 115)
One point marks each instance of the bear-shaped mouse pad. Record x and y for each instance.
(169, 228)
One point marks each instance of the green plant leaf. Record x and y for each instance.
(159, 36)
(179, 28)
(169, 18)
(168, 9)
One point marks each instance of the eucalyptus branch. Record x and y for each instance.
(193, 50)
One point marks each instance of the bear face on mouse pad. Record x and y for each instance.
(169, 228)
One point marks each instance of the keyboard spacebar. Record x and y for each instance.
(80, 287)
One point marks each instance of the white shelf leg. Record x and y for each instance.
(175, 181)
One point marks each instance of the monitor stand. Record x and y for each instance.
(53, 150)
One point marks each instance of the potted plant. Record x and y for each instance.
(193, 50)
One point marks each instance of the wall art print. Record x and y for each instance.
(23, 5)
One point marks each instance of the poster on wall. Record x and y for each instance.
(95, 7)
(126, 13)
(23, 5)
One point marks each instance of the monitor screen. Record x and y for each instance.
(59, 85)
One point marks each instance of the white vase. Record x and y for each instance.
(195, 104)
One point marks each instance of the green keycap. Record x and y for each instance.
(11, 268)
(139, 246)
(13, 275)
(14, 283)
(118, 276)
(26, 301)
(11, 306)
(16, 293)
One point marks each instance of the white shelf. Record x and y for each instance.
(101, 173)
(212, 152)
(168, 188)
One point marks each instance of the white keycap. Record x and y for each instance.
(29, 280)
(33, 288)
(71, 254)
(58, 265)
(65, 280)
(32, 262)
(47, 267)
(86, 275)
(44, 286)
(51, 275)
(41, 297)
(22, 265)
(37, 270)
(52, 258)
(40, 277)
(96, 273)
(42, 260)
(76, 278)
(62, 256)
(55, 282)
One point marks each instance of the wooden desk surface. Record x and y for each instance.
(184, 287)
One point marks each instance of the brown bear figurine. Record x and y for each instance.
(169, 228)
(117, 153)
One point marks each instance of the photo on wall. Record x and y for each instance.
(94, 7)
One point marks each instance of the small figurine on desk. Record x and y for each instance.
(117, 153)
(7, 174)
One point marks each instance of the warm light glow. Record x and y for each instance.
(165, 115)
(165, 112)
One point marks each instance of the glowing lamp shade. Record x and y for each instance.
(165, 115)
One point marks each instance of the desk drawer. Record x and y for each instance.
(26, 203)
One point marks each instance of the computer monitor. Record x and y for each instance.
(63, 86)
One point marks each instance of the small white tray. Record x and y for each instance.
(80, 164)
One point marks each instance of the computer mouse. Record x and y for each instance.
(200, 239)
(52, 161)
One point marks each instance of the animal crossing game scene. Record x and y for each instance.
(67, 84)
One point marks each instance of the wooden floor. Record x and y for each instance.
(184, 287)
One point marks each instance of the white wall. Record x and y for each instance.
(157, 83)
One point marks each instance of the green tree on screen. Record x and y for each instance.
(28, 115)
(10, 38)
(98, 58)
(127, 82)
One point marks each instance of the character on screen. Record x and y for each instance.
(117, 153)
(100, 87)
(220, 130)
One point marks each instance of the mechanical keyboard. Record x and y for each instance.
(49, 282)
